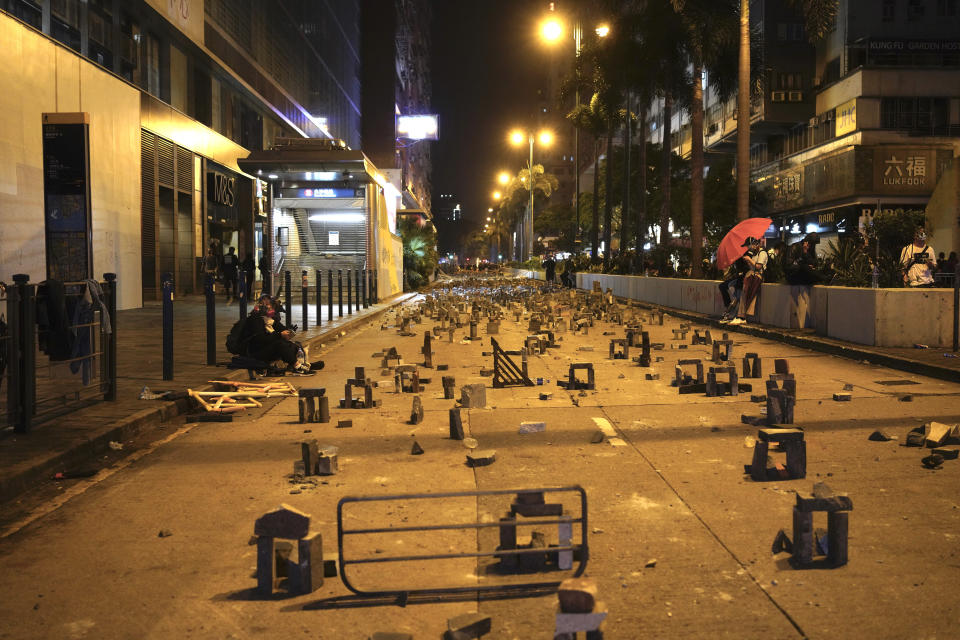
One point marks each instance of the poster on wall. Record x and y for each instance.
(66, 196)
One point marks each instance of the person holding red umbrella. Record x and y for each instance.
(756, 259)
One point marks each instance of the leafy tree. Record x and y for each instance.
(419, 251)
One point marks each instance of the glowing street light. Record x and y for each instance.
(545, 138)
(551, 29)
(497, 195)
(503, 178)
(517, 137)
(602, 30)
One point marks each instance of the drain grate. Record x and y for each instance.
(895, 383)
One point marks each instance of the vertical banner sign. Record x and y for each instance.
(66, 196)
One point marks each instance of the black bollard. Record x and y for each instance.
(304, 311)
(376, 287)
(339, 293)
(366, 290)
(356, 283)
(23, 329)
(166, 283)
(349, 293)
(287, 306)
(956, 307)
(242, 293)
(110, 341)
(211, 320)
(319, 298)
(330, 295)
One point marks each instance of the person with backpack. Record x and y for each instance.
(264, 339)
(917, 261)
(756, 259)
(733, 280)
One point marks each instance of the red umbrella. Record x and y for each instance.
(731, 247)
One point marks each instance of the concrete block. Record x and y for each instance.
(481, 457)
(456, 424)
(532, 427)
(283, 522)
(473, 396)
(309, 564)
(467, 626)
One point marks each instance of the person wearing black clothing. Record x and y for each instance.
(801, 265)
(248, 266)
(550, 266)
(735, 280)
(267, 339)
(230, 266)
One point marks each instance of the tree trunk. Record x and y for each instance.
(625, 218)
(608, 199)
(743, 115)
(696, 172)
(666, 168)
(595, 219)
(642, 204)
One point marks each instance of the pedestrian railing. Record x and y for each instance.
(60, 348)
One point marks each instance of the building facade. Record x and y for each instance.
(866, 119)
(173, 93)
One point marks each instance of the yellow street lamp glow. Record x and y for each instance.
(489, 210)
(488, 217)
(546, 138)
(517, 137)
(497, 195)
(603, 30)
(551, 29)
(503, 178)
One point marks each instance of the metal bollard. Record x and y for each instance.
(376, 287)
(26, 402)
(14, 370)
(304, 311)
(339, 293)
(242, 293)
(330, 295)
(287, 318)
(366, 288)
(356, 283)
(319, 299)
(110, 341)
(211, 319)
(349, 293)
(166, 283)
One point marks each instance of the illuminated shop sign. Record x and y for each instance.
(324, 192)
(421, 127)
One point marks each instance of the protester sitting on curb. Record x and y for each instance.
(756, 257)
(734, 279)
(268, 340)
(917, 261)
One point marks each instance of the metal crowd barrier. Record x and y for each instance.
(578, 551)
(40, 387)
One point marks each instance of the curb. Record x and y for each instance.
(125, 428)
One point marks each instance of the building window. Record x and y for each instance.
(889, 10)
(946, 8)
(151, 64)
(916, 9)
(27, 10)
(915, 114)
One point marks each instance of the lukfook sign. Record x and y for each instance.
(904, 169)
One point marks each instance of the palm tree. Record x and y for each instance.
(710, 26)
(592, 119)
(818, 17)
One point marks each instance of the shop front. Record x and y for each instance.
(229, 212)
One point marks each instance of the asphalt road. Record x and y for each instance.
(679, 538)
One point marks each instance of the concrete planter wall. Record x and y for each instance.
(879, 317)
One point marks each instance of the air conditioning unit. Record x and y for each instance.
(795, 96)
(778, 96)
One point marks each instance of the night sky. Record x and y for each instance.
(485, 78)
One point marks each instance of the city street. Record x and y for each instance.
(679, 536)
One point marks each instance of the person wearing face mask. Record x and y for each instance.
(917, 260)
(269, 340)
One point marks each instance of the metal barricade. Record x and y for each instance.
(563, 553)
(61, 349)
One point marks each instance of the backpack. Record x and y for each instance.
(236, 340)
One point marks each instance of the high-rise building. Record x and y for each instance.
(165, 97)
(866, 119)
(397, 82)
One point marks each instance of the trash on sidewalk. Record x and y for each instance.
(116, 446)
(243, 397)
(146, 394)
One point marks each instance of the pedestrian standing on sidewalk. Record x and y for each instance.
(210, 264)
(550, 266)
(231, 265)
(756, 259)
(734, 280)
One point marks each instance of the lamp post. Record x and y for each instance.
(552, 30)
(517, 138)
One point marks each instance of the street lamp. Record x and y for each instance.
(545, 138)
(497, 195)
(503, 177)
(551, 30)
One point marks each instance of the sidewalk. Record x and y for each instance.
(927, 362)
(71, 441)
